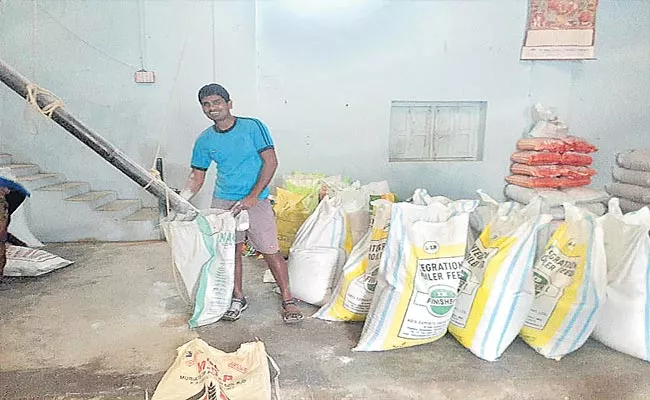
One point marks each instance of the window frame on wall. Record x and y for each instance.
(426, 131)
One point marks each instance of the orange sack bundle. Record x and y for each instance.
(548, 182)
(551, 171)
(551, 158)
(557, 145)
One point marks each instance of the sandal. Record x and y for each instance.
(237, 306)
(291, 317)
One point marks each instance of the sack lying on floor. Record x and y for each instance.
(418, 275)
(203, 252)
(24, 261)
(570, 286)
(624, 323)
(203, 372)
(354, 292)
(291, 211)
(638, 160)
(496, 288)
(321, 248)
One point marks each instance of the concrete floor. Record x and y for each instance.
(107, 328)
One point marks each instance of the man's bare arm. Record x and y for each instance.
(269, 166)
(193, 184)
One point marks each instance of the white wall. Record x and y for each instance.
(322, 81)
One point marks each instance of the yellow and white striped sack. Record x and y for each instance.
(496, 289)
(570, 286)
(353, 295)
(418, 275)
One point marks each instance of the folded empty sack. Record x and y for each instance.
(638, 160)
(624, 175)
(636, 193)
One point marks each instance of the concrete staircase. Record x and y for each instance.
(68, 211)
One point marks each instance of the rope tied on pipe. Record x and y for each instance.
(34, 90)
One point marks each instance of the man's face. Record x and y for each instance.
(216, 108)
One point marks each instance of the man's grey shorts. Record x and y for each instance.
(262, 231)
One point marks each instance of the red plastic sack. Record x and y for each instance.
(536, 157)
(579, 159)
(578, 145)
(541, 171)
(542, 144)
(552, 171)
(573, 171)
(540, 182)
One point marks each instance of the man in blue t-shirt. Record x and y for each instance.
(243, 152)
(12, 194)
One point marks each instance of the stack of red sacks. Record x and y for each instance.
(552, 163)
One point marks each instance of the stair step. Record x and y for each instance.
(120, 208)
(95, 198)
(68, 189)
(23, 169)
(5, 159)
(37, 181)
(145, 214)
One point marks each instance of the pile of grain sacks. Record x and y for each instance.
(632, 179)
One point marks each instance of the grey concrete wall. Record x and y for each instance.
(322, 79)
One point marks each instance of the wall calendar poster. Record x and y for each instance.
(560, 30)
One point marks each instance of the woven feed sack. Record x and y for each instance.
(25, 261)
(496, 289)
(638, 160)
(356, 205)
(353, 295)
(624, 324)
(204, 372)
(639, 178)
(418, 275)
(291, 210)
(570, 286)
(319, 252)
(203, 253)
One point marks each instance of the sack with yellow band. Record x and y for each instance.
(418, 275)
(351, 299)
(291, 211)
(570, 286)
(496, 289)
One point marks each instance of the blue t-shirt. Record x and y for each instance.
(236, 153)
(13, 186)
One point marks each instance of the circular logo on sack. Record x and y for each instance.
(431, 247)
(441, 300)
(370, 284)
